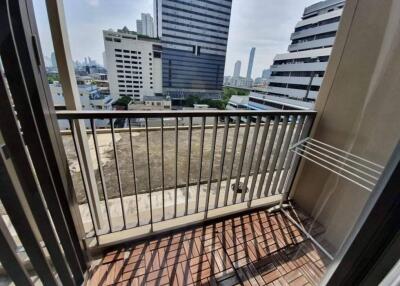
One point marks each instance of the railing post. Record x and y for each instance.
(66, 71)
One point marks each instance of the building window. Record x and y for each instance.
(117, 50)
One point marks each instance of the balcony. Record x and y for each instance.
(328, 42)
(163, 170)
(315, 31)
(318, 66)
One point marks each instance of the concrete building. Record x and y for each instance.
(134, 64)
(250, 64)
(298, 74)
(194, 36)
(237, 102)
(236, 72)
(159, 101)
(266, 73)
(53, 60)
(145, 26)
(92, 97)
(240, 82)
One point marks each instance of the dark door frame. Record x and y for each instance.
(27, 83)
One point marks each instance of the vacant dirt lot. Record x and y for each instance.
(124, 156)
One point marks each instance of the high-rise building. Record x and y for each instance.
(194, 36)
(266, 73)
(133, 63)
(236, 72)
(145, 26)
(53, 60)
(296, 76)
(250, 64)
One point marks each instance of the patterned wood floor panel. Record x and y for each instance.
(252, 249)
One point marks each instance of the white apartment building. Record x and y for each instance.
(134, 64)
(297, 75)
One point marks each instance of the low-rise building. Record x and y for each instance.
(158, 101)
(91, 98)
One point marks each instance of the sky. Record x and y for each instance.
(263, 24)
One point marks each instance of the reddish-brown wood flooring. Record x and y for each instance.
(252, 249)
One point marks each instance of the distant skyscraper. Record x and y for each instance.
(250, 65)
(53, 60)
(236, 72)
(266, 73)
(145, 26)
(194, 35)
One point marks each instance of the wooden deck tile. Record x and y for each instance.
(252, 249)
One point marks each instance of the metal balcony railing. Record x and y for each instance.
(157, 166)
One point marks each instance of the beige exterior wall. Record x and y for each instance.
(358, 111)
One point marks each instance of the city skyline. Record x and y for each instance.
(264, 25)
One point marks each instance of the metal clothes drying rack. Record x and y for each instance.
(353, 168)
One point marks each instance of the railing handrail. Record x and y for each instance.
(107, 114)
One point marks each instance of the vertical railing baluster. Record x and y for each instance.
(162, 169)
(288, 161)
(214, 138)
(241, 159)
(118, 173)
(259, 158)
(296, 160)
(250, 159)
(203, 123)
(103, 185)
(188, 164)
(283, 154)
(80, 163)
(176, 167)
(149, 172)
(222, 160)
(134, 172)
(268, 152)
(234, 144)
(275, 156)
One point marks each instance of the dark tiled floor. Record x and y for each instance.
(252, 249)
